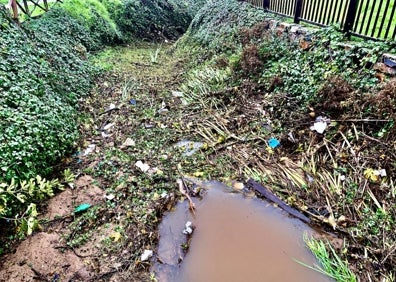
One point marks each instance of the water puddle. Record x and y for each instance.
(235, 239)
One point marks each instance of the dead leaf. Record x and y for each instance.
(128, 143)
(116, 236)
(371, 174)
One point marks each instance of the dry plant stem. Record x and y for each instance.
(361, 120)
(182, 190)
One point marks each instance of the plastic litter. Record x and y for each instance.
(189, 228)
(189, 147)
(82, 208)
(273, 143)
(146, 255)
(142, 166)
(128, 143)
(110, 197)
(111, 107)
(177, 94)
(89, 149)
(108, 126)
(163, 109)
(320, 124)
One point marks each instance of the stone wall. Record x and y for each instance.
(295, 32)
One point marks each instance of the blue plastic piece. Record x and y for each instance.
(82, 208)
(389, 62)
(273, 143)
(132, 102)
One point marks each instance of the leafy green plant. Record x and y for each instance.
(23, 196)
(154, 55)
(201, 82)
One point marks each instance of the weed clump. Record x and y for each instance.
(251, 64)
(337, 96)
(383, 103)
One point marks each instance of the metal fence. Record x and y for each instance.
(30, 8)
(374, 19)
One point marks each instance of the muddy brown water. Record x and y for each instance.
(236, 239)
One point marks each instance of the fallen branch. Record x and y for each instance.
(109, 110)
(184, 193)
(273, 198)
(361, 120)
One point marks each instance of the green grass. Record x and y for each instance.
(326, 12)
(373, 29)
(330, 263)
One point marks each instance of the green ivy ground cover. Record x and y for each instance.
(41, 78)
(45, 74)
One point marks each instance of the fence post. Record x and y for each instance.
(350, 17)
(297, 11)
(266, 4)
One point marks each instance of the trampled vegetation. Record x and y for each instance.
(231, 83)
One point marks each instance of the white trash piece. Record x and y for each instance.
(146, 255)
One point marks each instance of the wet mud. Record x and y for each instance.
(235, 238)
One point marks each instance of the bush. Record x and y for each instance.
(218, 23)
(41, 79)
(94, 15)
(156, 18)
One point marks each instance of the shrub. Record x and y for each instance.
(155, 19)
(218, 23)
(93, 14)
(40, 81)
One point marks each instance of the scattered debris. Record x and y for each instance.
(273, 143)
(266, 193)
(108, 126)
(183, 191)
(188, 230)
(238, 186)
(177, 94)
(320, 124)
(373, 175)
(128, 143)
(109, 197)
(163, 109)
(146, 255)
(190, 147)
(116, 236)
(89, 149)
(82, 208)
(142, 166)
(112, 107)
